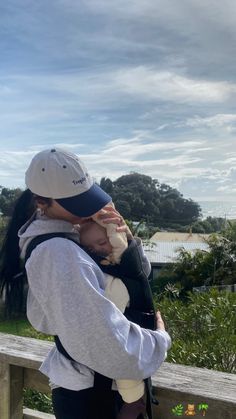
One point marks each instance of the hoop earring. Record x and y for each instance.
(41, 211)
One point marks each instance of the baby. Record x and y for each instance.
(104, 240)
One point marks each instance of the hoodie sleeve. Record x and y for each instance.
(67, 300)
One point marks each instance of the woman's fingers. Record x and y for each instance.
(109, 214)
(112, 218)
(125, 229)
(122, 227)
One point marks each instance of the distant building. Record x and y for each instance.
(175, 236)
(163, 247)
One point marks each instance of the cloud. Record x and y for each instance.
(144, 86)
(145, 144)
(144, 154)
(186, 33)
(226, 161)
(136, 153)
(180, 164)
(70, 96)
(149, 83)
(68, 146)
(14, 163)
(215, 121)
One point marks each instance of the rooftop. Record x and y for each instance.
(167, 251)
(166, 236)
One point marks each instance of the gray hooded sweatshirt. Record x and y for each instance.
(66, 298)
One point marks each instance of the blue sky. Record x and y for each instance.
(146, 86)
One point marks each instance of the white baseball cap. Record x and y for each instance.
(61, 175)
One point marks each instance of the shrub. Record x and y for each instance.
(35, 400)
(202, 329)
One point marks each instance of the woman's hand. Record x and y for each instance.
(160, 322)
(109, 214)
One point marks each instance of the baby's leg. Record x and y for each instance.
(134, 410)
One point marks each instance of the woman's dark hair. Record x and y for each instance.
(12, 277)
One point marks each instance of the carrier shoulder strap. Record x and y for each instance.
(41, 238)
(31, 246)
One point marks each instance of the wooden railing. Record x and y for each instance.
(173, 384)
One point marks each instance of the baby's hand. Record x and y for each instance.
(116, 231)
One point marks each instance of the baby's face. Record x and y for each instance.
(96, 240)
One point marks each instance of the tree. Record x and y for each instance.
(106, 184)
(140, 194)
(7, 200)
(209, 225)
(175, 208)
(148, 200)
(3, 227)
(230, 231)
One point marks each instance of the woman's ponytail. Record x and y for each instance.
(11, 278)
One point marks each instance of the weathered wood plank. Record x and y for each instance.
(34, 414)
(31, 352)
(16, 392)
(5, 391)
(211, 384)
(21, 351)
(36, 380)
(173, 383)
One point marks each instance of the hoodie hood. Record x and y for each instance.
(40, 224)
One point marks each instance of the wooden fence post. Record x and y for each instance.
(4, 390)
(16, 391)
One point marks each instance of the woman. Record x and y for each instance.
(66, 290)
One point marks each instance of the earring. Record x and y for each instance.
(41, 211)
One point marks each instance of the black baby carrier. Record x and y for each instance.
(140, 310)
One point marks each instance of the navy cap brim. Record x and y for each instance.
(86, 203)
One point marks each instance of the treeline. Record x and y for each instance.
(7, 199)
(140, 198)
(143, 199)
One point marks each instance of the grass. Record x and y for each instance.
(21, 327)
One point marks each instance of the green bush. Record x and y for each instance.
(202, 329)
(35, 400)
(3, 226)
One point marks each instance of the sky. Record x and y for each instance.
(138, 86)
